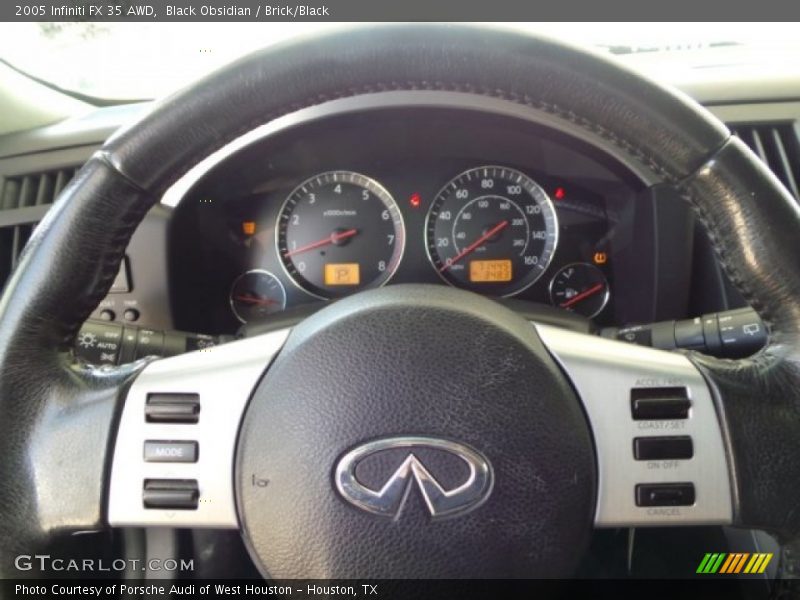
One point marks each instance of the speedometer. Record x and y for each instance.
(492, 230)
(339, 232)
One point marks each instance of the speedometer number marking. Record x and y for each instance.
(492, 230)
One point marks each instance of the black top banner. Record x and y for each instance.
(395, 10)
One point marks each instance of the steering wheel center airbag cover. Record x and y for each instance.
(442, 402)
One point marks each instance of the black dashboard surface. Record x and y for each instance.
(225, 225)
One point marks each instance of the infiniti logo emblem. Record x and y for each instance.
(389, 499)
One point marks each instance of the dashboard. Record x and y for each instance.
(489, 203)
(216, 256)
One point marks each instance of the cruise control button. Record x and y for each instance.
(665, 494)
(663, 448)
(660, 403)
(170, 451)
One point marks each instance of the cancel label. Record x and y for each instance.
(664, 512)
(661, 424)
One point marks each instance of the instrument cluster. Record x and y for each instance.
(366, 201)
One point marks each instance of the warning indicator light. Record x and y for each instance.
(560, 193)
(600, 258)
(415, 200)
(248, 227)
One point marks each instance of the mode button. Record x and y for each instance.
(167, 451)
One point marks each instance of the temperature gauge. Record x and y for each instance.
(256, 294)
(581, 288)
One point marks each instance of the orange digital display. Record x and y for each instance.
(490, 271)
(342, 274)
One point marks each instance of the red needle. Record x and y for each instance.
(255, 300)
(500, 226)
(584, 294)
(332, 238)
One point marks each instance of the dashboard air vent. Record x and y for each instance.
(21, 201)
(34, 189)
(778, 145)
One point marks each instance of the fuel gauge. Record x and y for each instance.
(256, 294)
(581, 288)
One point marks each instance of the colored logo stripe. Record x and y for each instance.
(734, 563)
(711, 563)
(703, 563)
(729, 563)
(721, 562)
(758, 564)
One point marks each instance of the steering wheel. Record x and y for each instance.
(411, 431)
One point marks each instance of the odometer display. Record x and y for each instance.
(492, 230)
(490, 271)
(339, 232)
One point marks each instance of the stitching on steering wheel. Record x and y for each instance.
(522, 99)
(763, 357)
(113, 256)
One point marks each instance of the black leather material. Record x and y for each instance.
(532, 311)
(415, 360)
(75, 253)
(754, 226)
(662, 131)
(56, 417)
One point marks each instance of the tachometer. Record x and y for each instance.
(492, 230)
(339, 232)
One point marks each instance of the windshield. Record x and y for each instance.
(142, 60)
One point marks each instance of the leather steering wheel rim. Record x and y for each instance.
(58, 417)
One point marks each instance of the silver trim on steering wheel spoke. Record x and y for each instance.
(604, 374)
(223, 377)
